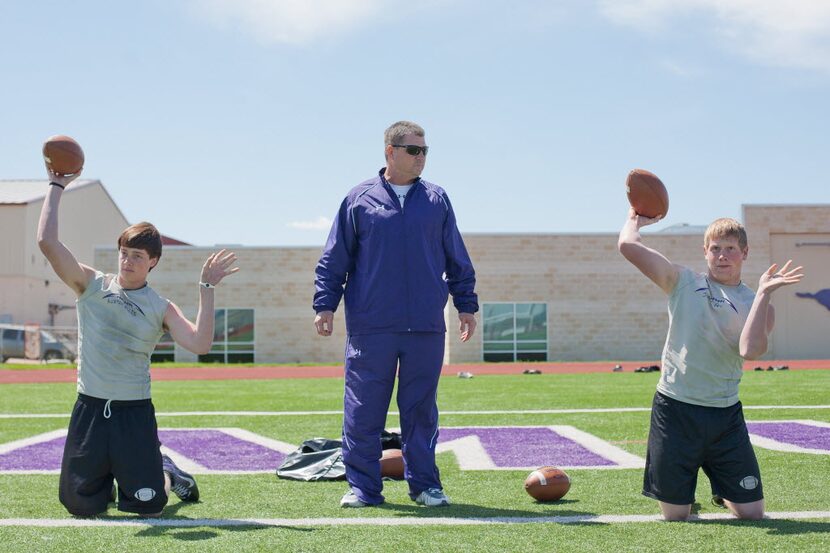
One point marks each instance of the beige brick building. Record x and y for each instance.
(543, 296)
(30, 291)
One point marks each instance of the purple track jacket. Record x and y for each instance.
(397, 264)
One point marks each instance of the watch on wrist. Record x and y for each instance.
(207, 285)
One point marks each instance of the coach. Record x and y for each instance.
(395, 247)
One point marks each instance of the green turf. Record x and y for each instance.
(793, 482)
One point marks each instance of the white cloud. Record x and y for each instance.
(793, 33)
(320, 223)
(289, 21)
(679, 69)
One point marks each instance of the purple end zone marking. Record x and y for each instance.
(523, 447)
(42, 456)
(794, 433)
(216, 450)
(213, 449)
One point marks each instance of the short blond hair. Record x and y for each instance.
(725, 228)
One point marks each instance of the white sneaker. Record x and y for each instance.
(351, 500)
(433, 497)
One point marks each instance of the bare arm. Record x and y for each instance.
(76, 275)
(198, 337)
(651, 263)
(761, 319)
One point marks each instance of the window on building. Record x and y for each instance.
(233, 337)
(515, 332)
(165, 350)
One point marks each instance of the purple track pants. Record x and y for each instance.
(372, 361)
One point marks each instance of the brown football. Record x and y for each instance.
(63, 155)
(647, 194)
(391, 464)
(547, 484)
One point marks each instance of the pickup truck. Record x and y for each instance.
(12, 344)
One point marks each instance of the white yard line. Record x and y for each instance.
(395, 413)
(469, 453)
(32, 440)
(597, 445)
(380, 521)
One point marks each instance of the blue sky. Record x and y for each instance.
(247, 121)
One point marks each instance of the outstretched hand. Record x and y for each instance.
(642, 220)
(218, 266)
(58, 178)
(773, 278)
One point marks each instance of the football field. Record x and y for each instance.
(232, 434)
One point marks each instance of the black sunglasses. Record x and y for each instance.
(412, 149)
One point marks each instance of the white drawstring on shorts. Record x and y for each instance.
(107, 410)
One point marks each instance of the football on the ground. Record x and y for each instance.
(63, 155)
(647, 194)
(547, 484)
(391, 464)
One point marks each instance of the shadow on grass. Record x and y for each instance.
(777, 527)
(197, 534)
(178, 530)
(464, 510)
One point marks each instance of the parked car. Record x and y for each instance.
(12, 344)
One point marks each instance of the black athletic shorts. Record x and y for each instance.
(119, 441)
(684, 438)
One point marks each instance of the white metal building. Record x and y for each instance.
(30, 292)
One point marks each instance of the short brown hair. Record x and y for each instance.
(142, 236)
(725, 228)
